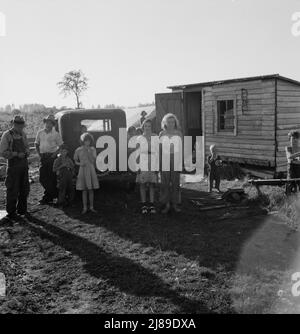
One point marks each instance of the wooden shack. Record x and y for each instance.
(248, 118)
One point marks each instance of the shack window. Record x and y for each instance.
(97, 125)
(226, 116)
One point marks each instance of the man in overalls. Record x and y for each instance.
(14, 147)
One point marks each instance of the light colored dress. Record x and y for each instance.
(147, 155)
(87, 178)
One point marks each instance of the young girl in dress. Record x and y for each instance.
(170, 179)
(147, 178)
(87, 181)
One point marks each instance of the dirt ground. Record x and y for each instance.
(227, 260)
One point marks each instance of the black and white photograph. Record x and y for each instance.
(149, 159)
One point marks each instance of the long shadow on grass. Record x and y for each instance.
(199, 236)
(121, 272)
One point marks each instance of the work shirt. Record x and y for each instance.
(49, 142)
(7, 140)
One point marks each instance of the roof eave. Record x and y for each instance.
(213, 83)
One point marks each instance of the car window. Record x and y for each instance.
(97, 125)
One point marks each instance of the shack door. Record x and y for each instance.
(169, 103)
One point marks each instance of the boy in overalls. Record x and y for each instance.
(14, 147)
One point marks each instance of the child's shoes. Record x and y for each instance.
(144, 210)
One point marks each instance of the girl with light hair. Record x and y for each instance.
(165, 120)
(170, 180)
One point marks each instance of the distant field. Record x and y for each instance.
(35, 121)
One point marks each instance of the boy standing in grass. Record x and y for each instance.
(214, 164)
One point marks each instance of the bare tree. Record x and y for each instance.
(74, 82)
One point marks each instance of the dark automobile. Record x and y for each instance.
(101, 122)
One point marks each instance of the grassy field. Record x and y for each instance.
(231, 260)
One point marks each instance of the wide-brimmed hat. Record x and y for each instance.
(18, 120)
(50, 118)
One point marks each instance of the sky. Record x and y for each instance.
(132, 49)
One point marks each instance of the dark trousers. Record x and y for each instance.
(65, 187)
(17, 188)
(48, 177)
(214, 176)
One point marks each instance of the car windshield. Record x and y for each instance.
(96, 125)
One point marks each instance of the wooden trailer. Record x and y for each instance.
(248, 119)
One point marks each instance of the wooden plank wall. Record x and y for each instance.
(254, 141)
(288, 118)
(168, 103)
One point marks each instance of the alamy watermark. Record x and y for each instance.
(296, 25)
(155, 154)
(2, 25)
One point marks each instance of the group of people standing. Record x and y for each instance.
(57, 168)
(56, 171)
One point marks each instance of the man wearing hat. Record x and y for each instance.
(47, 143)
(14, 147)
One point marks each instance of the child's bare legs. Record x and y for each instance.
(84, 201)
(152, 193)
(152, 198)
(210, 182)
(143, 193)
(91, 198)
(218, 182)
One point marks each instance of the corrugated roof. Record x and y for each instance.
(228, 81)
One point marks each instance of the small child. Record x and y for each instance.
(87, 180)
(214, 164)
(64, 169)
(146, 178)
(131, 132)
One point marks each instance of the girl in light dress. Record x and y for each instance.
(147, 178)
(87, 180)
